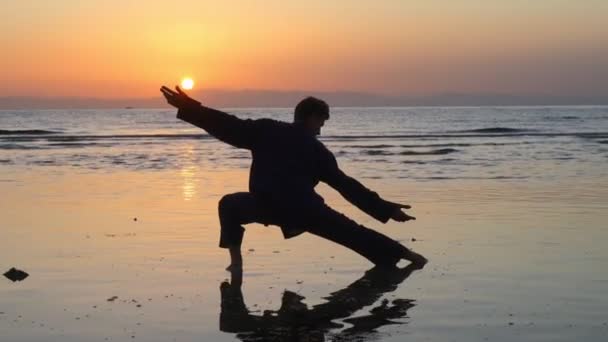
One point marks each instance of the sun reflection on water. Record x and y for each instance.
(189, 173)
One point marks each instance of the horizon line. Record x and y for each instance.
(268, 98)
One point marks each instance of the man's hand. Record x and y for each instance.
(179, 99)
(399, 215)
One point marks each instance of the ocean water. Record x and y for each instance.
(533, 143)
(511, 206)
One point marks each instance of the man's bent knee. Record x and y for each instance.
(228, 203)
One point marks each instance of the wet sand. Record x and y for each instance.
(118, 256)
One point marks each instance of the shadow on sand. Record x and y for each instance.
(294, 321)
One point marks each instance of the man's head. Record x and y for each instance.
(311, 113)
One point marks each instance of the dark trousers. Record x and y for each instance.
(242, 208)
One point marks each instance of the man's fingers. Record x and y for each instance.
(399, 205)
(167, 90)
(181, 92)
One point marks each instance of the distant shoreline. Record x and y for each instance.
(287, 99)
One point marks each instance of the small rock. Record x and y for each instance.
(413, 239)
(113, 298)
(15, 274)
(135, 219)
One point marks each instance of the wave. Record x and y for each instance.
(19, 147)
(440, 151)
(464, 134)
(447, 144)
(52, 136)
(495, 130)
(565, 117)
(377, 153)
(63, 138)
(468, 178)
(26, 132)
(79, 144)
(371, 146)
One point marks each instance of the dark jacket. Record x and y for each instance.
(288, 162)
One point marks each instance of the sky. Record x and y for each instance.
(127, 49)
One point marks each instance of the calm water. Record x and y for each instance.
(512, 205)
(537, 143)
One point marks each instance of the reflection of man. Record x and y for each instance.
(294, 321)
(288, 162)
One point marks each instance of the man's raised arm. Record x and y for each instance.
(357, 194)
(225, 127)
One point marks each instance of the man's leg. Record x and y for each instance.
(235, 210)
(376, 247)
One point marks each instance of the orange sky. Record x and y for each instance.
(111, 48)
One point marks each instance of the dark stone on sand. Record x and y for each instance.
(135, 219)
(113, 298)
(413, 239)
(15, 274)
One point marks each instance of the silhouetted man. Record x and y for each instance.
(288, 162)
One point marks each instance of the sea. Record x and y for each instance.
(418, 143)
(113, 215)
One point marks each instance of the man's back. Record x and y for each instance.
(287, 162)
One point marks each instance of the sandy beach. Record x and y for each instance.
(508, 261)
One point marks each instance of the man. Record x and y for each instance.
(288, 162)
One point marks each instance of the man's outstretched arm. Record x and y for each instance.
(227, 128)
(360, 196)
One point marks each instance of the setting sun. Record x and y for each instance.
(187, 83)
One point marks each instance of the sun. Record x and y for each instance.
(187, 83)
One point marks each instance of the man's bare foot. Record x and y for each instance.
(416, 259)
(236, 259)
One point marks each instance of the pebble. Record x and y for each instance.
(15, 274)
